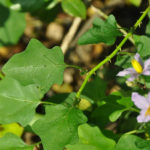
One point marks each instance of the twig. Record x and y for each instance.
(102, 14)
(69, 36)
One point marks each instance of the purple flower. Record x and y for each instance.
(144, 104)
(138, 68)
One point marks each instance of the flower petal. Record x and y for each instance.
(140, 101)
(147, 64)
(148, 98)
(126, 72)
(138, 58)
(146, 72)
(142, 118)
(132, 77)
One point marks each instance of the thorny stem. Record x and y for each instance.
(77, 67)
(108, 58)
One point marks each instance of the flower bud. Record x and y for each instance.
(84, 104)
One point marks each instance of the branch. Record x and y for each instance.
(68, 38)
(108, 58)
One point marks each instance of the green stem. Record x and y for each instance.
(127, 53)
(108, 58)
(134, 109)
(47, 103)
(76, 67)
(134, 131)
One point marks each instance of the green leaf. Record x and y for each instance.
(17, 103)
(12, 25)
(148, 28)
(28, 5)
(123, 61)
(116, 114)
(132, 142)
(37, 65)
(102, 31)
(112, 103)
(142, 44)
(81, 147)
(59, 126)
(13, 142)
(93, 137)
(74, 8)
(96, 89)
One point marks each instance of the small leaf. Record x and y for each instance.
(59, 126)
(17, 103)
(113, 102)
(37, 65)
(102, 31)
(93, 137)
(13, 142)
(12, 25)
(116, 114)
(74, 8)
(123, 61)
(132, 142)
(148, 28)
(142, 44)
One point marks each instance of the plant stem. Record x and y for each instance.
(134, 109)
(77, 67)
(134, 131)
(108, 58)
(127, 53)
(47, 103)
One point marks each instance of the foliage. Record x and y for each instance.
(73, 121)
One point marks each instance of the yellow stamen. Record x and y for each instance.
(137, 66)
(147, 112)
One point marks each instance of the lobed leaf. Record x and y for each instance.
(102, 31)
(142, 44)
(13, 142)
(92, 137)
(132, 142)
(123, 61)
(37, 65)
(17, 103)
(59, 126)
(12, 25)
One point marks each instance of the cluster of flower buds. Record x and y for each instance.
(139, 68)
